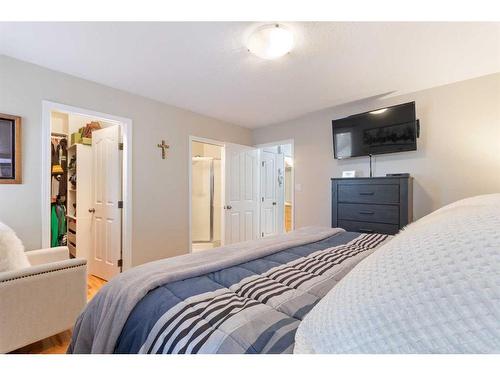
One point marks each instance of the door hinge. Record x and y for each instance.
(120, 204)
(120, 263)
(120, 146)
(262, 234)
(262, 199)
(263, 163)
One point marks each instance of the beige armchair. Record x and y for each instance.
(42, 300)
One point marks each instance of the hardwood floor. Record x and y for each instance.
(94, 284)
(58, 344)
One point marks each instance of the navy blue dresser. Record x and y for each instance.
(372, 205)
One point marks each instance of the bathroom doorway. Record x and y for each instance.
(276, 188)
(206, 195)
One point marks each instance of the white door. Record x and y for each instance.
(280, 192)
(269, 198)
(106, 193)
(241, 194)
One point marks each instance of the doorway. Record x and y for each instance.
(87, 179)
(276, 188)
(206, 195)
(224, 193)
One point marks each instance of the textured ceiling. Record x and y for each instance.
(205, 67)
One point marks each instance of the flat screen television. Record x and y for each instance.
(382, 131)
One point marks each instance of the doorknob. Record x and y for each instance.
(228, 207)
(91, 210)
(274, 203)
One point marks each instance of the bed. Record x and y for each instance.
(243, 298)
(433, 288)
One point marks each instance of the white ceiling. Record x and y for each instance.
(205, 67)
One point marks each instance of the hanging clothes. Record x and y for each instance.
(55, 187)
(61, 217)
(62, 150)
(58, 225)
(56, 166)
(54, 228)
(59, 169)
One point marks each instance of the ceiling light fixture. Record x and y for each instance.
(270, 41)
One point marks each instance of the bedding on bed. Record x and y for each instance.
(434, 288)
(245, 298)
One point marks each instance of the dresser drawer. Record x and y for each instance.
(369, 212)
(369, 193)
(363, 227)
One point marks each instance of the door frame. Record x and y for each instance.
(192, 139)
(126, 134)
(280, 143)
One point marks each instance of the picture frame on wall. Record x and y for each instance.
(10, 149)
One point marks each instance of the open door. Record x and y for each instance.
(241, 194)
(269, 198)
(272, 188)
(280, 192)
(105, 250)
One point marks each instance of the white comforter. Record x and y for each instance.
(435, 288)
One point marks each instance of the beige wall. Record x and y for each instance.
(458, 156)
(160, 187)
(458, 149)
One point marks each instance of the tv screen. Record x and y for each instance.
(385, 130)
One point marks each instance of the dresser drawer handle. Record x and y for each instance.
(365, 230)
(366, 193)
(366, 212)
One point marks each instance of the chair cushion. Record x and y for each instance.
(12, 255)
(434, 288)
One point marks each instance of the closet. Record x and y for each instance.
(71, 183)
(86, 190)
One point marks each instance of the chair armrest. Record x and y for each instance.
(41, 269)
(42, 256)
(40, 301)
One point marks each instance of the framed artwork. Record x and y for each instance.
(10, 149)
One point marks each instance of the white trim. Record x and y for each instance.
(126, 133)
(192, 139)
(279, 143)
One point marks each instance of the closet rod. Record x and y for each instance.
(58, 134)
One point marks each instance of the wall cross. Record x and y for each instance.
(164, 147)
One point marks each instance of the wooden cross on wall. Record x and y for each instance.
(164, 147)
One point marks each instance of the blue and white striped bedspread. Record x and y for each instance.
(254, 307)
